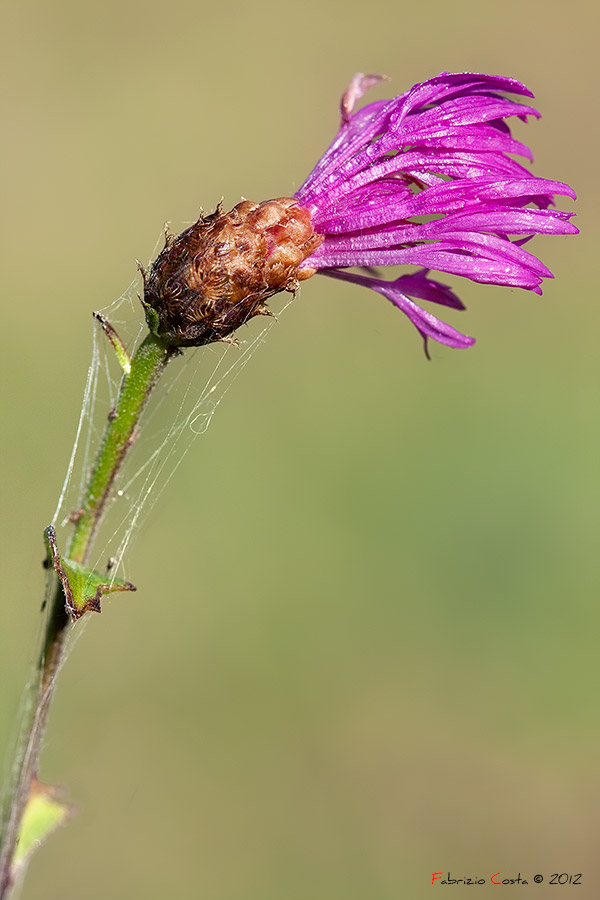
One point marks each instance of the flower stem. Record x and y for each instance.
(147, 365)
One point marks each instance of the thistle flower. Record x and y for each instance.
(427, 179)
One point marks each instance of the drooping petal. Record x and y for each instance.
(418, 285)
(426, 323)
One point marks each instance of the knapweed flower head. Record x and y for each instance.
(427, 179)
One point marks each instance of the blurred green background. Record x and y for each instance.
(363, 647)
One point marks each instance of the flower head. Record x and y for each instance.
(427, 179)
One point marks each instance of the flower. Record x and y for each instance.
(426, 179)
(429, 179)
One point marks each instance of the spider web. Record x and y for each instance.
(179, 410)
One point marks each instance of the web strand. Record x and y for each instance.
(189, 397)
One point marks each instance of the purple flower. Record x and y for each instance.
(429, 179)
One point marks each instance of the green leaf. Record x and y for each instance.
(44, 813)
(120, 349)
(83, 587)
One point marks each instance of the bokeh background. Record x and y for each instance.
(364, 643)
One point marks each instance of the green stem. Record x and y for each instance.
(147, 365)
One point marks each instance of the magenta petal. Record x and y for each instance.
(466, 111)
(426, 323)
(447, 83)
(423, 288)
(445, 256)
(428, 179)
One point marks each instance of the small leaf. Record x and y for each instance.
(44, 813)
(83, 587)
(120, 349)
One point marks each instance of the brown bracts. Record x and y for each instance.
(217, 274)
